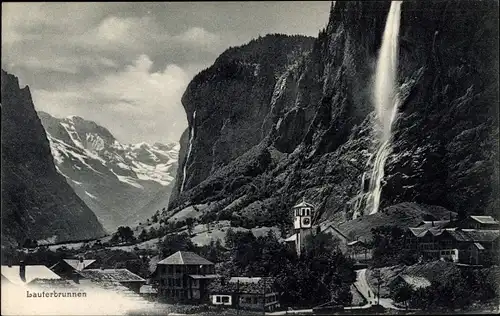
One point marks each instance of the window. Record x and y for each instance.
(225, 299)
(217, 299)
(177, 282)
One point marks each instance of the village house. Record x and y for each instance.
(249, 293)
(480, 222)
(184, 276)
(26, 274)
(465, 244)
(358, 250)
(118, 276)
(66, 268)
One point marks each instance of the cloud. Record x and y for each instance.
(118, 33)
(199, 37)
(125, 65)
(147, 104)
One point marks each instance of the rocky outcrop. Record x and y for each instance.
(37, 203)
(256, 151)
(122, 183)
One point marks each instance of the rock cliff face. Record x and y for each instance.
(37, 203)
(264, 134)
(122, 183)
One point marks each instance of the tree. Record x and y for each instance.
(389, 247)
(458, 291)
(402, 293)
(30, 243)
(154, 219)
(190, 225)
(125, 234)
(214, 251)
(176, 242)
(229, 238)
(114, 239)
(143, 235)
(153, 232)
(318, 244)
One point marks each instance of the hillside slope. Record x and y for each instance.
(37, 203)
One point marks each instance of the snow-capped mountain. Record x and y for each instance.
(117, 181)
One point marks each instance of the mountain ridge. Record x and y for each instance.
(116, 180)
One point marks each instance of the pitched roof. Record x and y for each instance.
(304, 204)
(110, 275)
(479, 246)
(356, 242)
(463, 235)
(32, 272)
(478, 235)
(436, 231)
(185, 258)
(256, 285)
(484, 219)
(245, 279)
(458, 234)
(77, 264)
(436, 224)
(204, 276)
(417, 231)
(335, 230)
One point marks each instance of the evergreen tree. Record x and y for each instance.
(143, 235)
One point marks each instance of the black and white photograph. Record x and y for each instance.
(250, 158)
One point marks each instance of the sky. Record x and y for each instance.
(126, 65)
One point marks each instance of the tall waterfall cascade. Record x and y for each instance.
(386, 102)
(191, 137)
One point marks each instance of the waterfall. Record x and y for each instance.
(191, 137)
(386, 101)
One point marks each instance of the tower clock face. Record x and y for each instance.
(306, 221)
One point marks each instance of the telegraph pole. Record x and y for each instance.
(237, 297)
(378, 292)
(377, 275)
(264, 297)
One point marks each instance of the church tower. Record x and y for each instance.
(302, 224)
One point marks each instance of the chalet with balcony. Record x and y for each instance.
(458, 244)
(184, 276)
